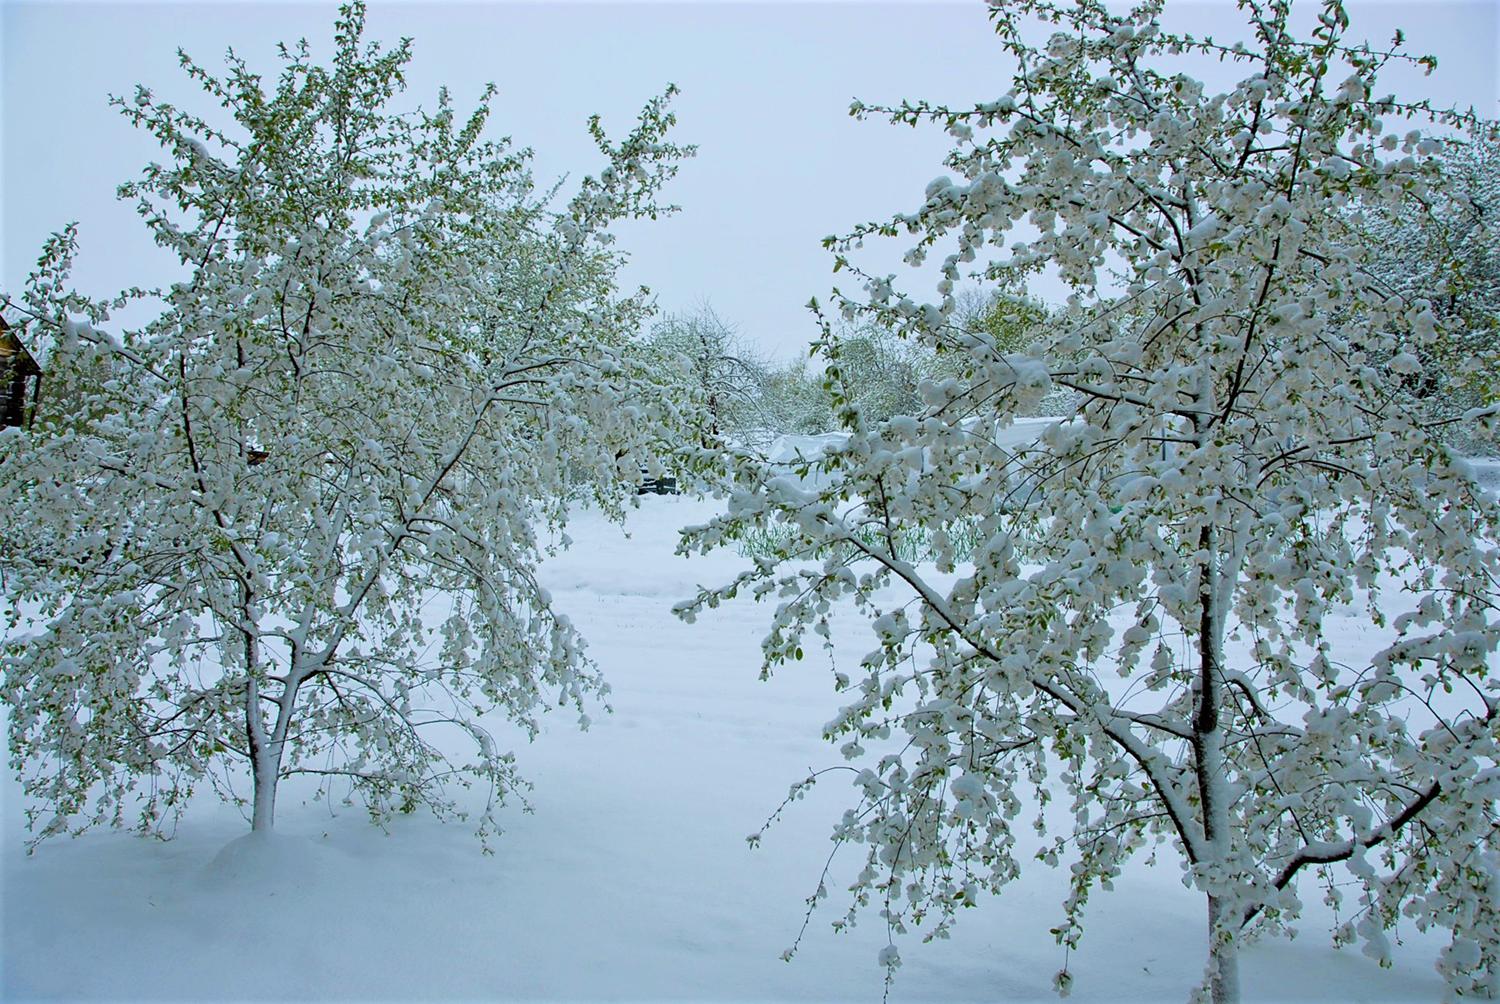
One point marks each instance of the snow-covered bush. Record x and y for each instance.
(289, 523)
(1248, 466)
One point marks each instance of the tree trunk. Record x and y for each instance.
(1212, 776)
(1223, 956)
(263, 817)
(265, 763)
(1223, 949)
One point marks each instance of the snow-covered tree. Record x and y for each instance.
(1446, 248)
(727, 374)
(292, 523)
(797, 400)
(1248, 475)
(1013, 320)
(873, 370)
(1009, 316)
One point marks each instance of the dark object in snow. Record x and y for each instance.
(17, 370)
(658, 486)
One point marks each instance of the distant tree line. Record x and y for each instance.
(871, 368)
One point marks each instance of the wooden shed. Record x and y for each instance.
(20, 380)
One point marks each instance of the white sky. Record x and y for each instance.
(766, 90)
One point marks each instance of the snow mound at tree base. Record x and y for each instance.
(275, 863)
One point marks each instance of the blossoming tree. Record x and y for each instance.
(1149, 621)
(292, 523)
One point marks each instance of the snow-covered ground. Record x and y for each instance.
(630, 881)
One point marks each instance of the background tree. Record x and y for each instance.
(728, 375)
(1009, 316)
(1445, 248)
(1012, 320)
(797, 400)
(874, 370)
(1247, 459)
(289, 523)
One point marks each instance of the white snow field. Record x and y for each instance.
(632, 879)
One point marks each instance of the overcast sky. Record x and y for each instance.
(766, 90)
